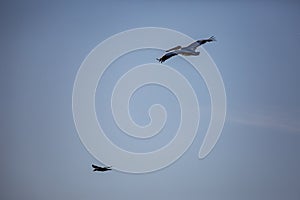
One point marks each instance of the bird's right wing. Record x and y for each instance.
(166, 57)
(95, 166)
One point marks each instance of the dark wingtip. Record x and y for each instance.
(159, 60)
(213, 38)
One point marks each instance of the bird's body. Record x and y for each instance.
(101, 169)
(189, 50)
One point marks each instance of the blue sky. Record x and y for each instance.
(257, 157)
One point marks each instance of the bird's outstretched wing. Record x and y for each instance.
(196, 44)
(95, 166)
(174, 48)
(166, 57)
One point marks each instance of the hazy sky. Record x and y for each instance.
(43, 45)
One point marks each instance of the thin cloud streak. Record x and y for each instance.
(281, 121)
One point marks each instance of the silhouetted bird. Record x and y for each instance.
(185, 51)
(101, 169)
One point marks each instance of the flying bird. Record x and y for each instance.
(185, 51)
(101, 169)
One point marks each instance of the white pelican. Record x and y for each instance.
(185, 51)
(101, 169)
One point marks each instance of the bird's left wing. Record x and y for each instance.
(174, 48)
(193, 46)
(196, 44)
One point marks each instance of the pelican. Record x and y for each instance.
(185, 51)
(101, 169)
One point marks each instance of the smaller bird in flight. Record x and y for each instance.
(189, 50)
(101, 169)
